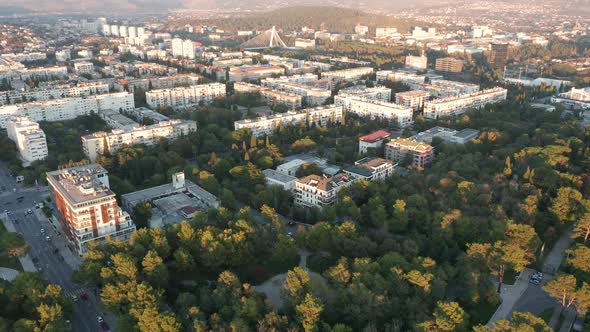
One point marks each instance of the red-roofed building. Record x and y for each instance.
(374, 140)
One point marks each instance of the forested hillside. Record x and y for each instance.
(293, 18)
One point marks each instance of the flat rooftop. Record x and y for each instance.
(80, 184)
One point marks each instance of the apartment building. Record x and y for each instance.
(347, 75)
(67, 108)
(185, 96)
(456, 105)
(101, 142)
(271, 97)
(444, 88)
(399, 76)
(22, 73)
(275, 82)
(304, 43)
(373, 140)
(417, 62)
(386, 32)
(374, 93)
(414, 99)
(183, 48)
(449, 65)
(251, 73)
(371, 169)
(318, 191)
(80, 89)
(87, 207)
(376, 109)
(83, 67)
(165, 82)
(29, 139)
(398, 149)
(266, 125)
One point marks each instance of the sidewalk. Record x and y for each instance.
(25, 261)
(555, 257)
(73, 260)
(510, 294)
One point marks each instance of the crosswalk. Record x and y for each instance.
(78, 291)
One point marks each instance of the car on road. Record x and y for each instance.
(29, 211)
(291, 223)
(535, 281)
(99, 319)
(48, 238)
(290, 234)
(42, 230)
(74, 298)
(55, 251)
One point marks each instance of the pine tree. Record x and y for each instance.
(244, 147)
(246, 156)
(253, 141)
(508, 167)
(267, 143)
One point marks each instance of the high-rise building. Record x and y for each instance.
(87, 207)
(449, 65)
(28, 137)
(183, 48)
(498, 55)
(132, 32)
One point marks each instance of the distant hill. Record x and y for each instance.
(333, 19)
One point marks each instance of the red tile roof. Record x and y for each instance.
(374, 137)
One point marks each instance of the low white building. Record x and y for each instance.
(457, 105)
(399, 76)
(374, 93)
(101, 142)
(67, 108)
(266, 125)
(376, 109)
(305, 43)
(417, 62)
(372, 141)
(446, 134)
(29, 139)
(185, 96)
(574, 99)
(274, 178)
(371, 169)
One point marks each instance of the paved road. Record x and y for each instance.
(53, 268)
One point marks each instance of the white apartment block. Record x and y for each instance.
(460, 87)
(87, 207)
(84, 67)
(399, 76)
(101, 142)
(271, 97)
(386, 33)
(67, 108)
(21, 57)
(165, 82)
(376, 109)
(63, 55)
(29, 138)
(183, 48)
(318, 191)
(266, 125)
(347, 75)
(239, 74)
(457, 105)
(414, 99)
(417, 62)
(22, 73)
(53, 92)
(373, 93)
(275, 82)
(304, 43)
(185, 96)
